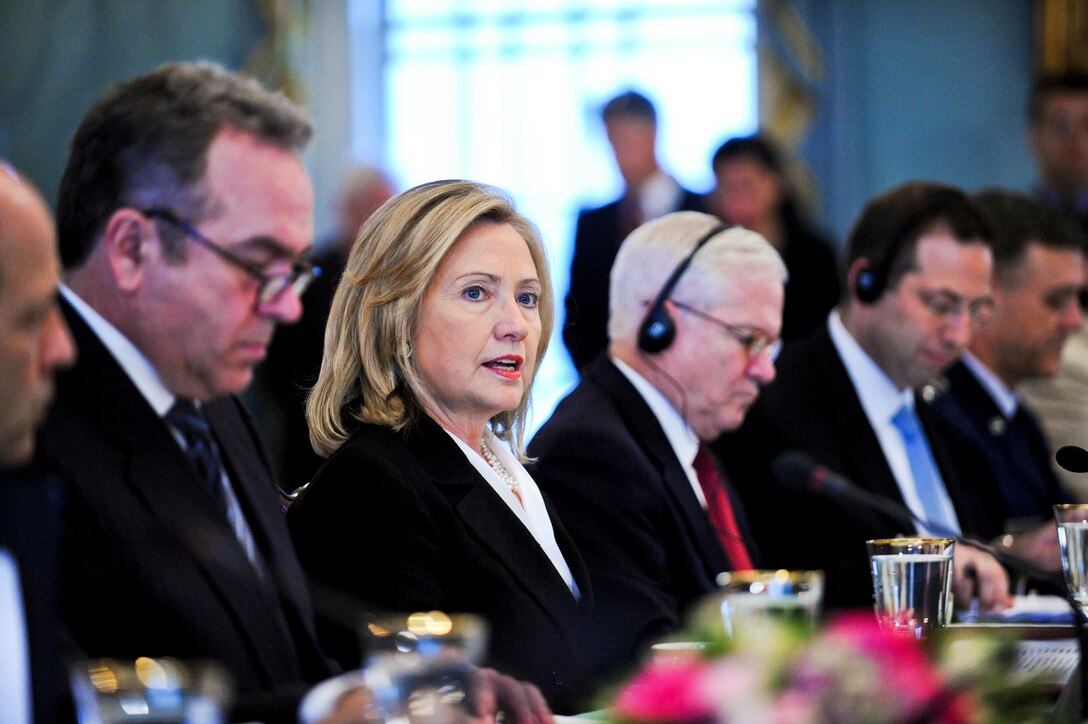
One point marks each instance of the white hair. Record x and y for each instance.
(652, 252)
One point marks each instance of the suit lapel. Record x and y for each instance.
(646, 430)
(866, 463)
(164, 482)
(496, 527)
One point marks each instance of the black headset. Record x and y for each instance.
(658, 329)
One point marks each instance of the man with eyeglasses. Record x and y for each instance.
(1038, 277)
(917, 267)
(695, 311)
(184, 219)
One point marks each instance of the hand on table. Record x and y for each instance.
(977, 575)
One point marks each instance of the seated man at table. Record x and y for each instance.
(918, 266)
(34, 344)
(694, 315)
(1038, 276)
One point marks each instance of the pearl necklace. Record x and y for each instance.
(500, 469)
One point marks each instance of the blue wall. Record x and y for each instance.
(57, 56)
(926, 89)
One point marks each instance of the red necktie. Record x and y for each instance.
(720, 510)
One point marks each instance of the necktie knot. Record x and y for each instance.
(906, 421)
(185, 416)
(200, 446)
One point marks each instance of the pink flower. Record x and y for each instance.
(899, 663)
(666, 692)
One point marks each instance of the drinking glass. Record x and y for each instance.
(419, 667)
(163, 691)
(1072, 523)
(747, 602)
(912, 583)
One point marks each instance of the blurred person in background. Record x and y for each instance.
(1058, 139)
(630, 121)
(294, 357)
(753, 190)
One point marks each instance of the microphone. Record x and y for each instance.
(1072, 458)
(799, 472)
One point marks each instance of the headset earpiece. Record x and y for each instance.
(658, 329)
(868, 284)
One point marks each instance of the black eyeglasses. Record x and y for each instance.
(754, 340)
(271, 287)
(947, 306)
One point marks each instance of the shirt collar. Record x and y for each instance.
(658, 195)
(138, 368)
(1006, 400)
(879, 396)
(682, 439)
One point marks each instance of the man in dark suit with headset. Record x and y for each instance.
(695, 313)
(918, 266)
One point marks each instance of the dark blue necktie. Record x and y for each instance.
(200, 446)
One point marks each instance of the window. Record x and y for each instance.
(508, 92)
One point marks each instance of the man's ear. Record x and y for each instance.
(128, 244)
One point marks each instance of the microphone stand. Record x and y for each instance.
(823, 480)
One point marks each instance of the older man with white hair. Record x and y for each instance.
(695, 311)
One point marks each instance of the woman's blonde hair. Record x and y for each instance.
(368, 373)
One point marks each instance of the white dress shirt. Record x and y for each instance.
(146, 379)
(531, 511)
(1006, 400)
(658, 195)
(14, 650)
(881, 399)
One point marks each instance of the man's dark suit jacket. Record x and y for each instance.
(403, 521)
(651, 549)
(149, 565)
(29, 525)
(597, 239)
(813, 407)
(1018, 469)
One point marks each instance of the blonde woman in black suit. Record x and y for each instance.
(437, 329)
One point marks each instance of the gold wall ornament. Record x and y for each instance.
(276, 58)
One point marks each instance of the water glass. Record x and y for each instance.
(912, 583)
(746, 601)
(1072, 523)
(164, 691)
(420, 665)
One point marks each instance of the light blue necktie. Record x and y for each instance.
(927, 478)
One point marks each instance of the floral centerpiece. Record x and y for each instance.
(850, 670)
